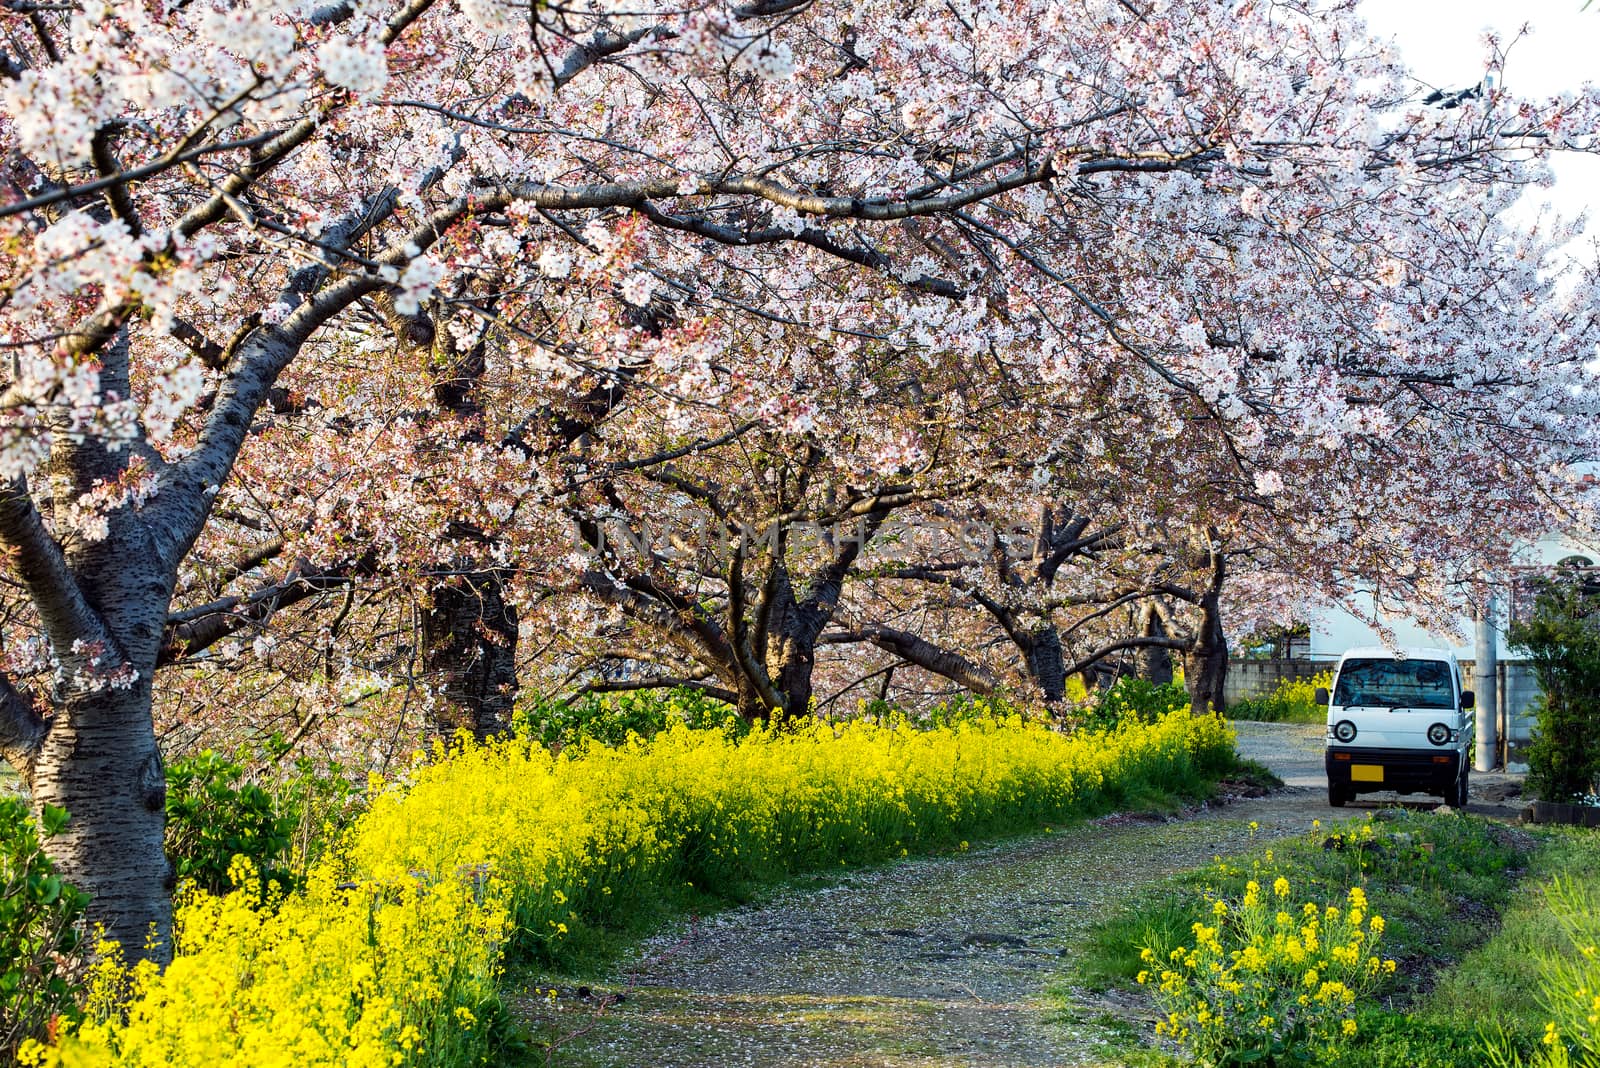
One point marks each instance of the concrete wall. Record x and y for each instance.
(1257, 678)
(1515, 693)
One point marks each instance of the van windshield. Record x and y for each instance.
(1395, 684)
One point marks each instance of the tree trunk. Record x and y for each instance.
(99, 759)
(469, 637)
(1046, 663)
(797, 661)
(751, 706)
(792, 640)
(100, 762)
(1205, 664)
(1153, 662)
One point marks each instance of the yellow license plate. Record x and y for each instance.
(1366, 773)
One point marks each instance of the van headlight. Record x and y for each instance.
(1439, 734)
(1344, 731)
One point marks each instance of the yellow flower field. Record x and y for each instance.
(391, 954)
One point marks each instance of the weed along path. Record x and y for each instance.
(937, 961)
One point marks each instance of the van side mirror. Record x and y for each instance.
(1468, 700)
(1320, 695)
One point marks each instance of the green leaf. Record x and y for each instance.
(52, 820)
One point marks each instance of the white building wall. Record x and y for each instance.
(1335, 630)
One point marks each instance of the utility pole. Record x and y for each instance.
(1484, 673)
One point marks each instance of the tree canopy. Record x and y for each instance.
(306, 300)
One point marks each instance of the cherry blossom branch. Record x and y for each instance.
(69, 620)
(697, 446)
(1002, 614)
(700, 638)
(192, 631)
(602, 45)
(207, 351)
(728, 235)
(635, 194)
(123, 177)
(1087, 662)
(1073, 542)
(102, 152)
(760, 9)
(278, 148)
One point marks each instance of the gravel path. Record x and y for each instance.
(939, 961)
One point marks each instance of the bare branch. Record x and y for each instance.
(922, 653)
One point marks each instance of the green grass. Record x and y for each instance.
(1255, 773)
(1501, 980)
(1439, 881)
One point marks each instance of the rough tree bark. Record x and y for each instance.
(792, 632)
(1153, 662)
(1046, 662)
(1205, 662)
(103, 602)
(99, 759)
(1205, 665)
(469, 637)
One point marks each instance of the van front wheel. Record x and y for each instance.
(1338, 794)
(1458, 792)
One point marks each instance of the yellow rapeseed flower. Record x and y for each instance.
(398, 939)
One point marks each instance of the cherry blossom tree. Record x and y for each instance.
(236, 233)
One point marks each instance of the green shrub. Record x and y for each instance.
(962, 708)
(40, 928)
(219, 808)
(611, 718)
(1134, 699)
(1562, 639)
(1293, 701)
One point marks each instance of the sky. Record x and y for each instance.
(1441, 41)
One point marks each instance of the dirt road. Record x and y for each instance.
(939, 961)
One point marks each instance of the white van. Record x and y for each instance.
(1398, 722)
